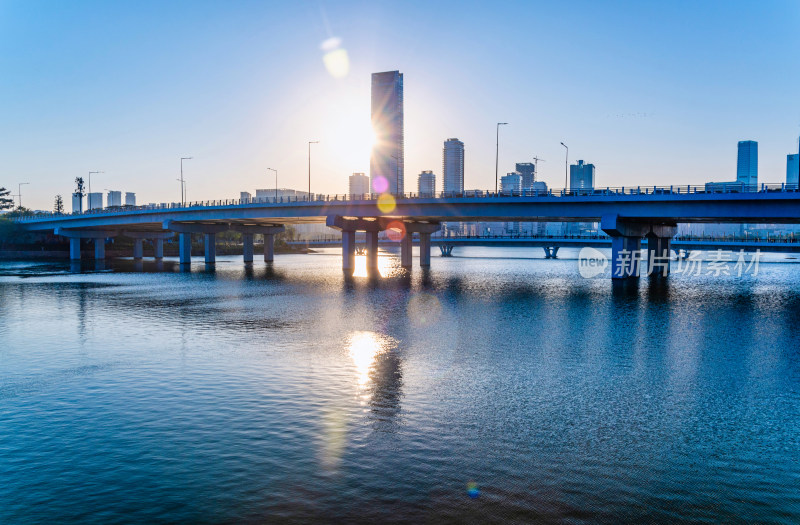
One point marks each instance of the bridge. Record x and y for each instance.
(626, 216)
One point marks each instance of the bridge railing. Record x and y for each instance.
(710, 188)
(768, 239)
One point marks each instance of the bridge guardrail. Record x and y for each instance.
(711, 188)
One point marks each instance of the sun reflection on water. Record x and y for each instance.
(364, 348)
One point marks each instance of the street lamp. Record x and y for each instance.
(566, 167)
(90, 179)
(497, 153)
(19, 192)
(310, 142)
(183, 183)
(276, 182)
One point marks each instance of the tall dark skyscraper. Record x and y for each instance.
(747, 162)
(453, 166)
(386, 161)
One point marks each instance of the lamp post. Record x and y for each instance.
(310, 142)
(19, 192)
(183, 183)
(90, 179)
(566, 167)
(276, 182)
(497, 153)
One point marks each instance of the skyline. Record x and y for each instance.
(649, 94)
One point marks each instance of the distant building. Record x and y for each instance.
(130, 198)
(792, 169)
(386, 161)
(359, 184)
(245, 197)
(267, 195)
(453, 166)
(114, 198)
(511, 183)
(95, 201)
(581, 176)
(528, 172)
(77, 203)
(747, 163)
(426, 183)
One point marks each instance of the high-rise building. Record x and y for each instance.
(386, 162)
(77, 203)
(453, 166)
(95, 201)
(359, 184)
(747, 163)
(426, 183)
(792, 169)
(114, 198)
(130, 198)
(581, 176)
(511, 184)
(528, 172)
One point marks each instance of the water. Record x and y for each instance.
(291, 394)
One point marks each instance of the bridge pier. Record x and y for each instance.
(659, 251)
(210, 245)
(138, 250)
(247, 247)
(550, 252)
(75, 249)
(424, 249)
(406, 244)
(348, 251)
(626, 243)
(249, 230)
(446, 249)
(75, 236)
(159, 248)
(185, 248)
(372, 250)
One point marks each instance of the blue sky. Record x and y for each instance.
(650, 92)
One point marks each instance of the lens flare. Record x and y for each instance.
(396, 230)
(424, 309)
(380, 184)
(335, 58)
(472, 490)
(386, 203)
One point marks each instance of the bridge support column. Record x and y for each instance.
(551, 252)
(626, 243)
(75, 237)
(99, 249)
(138, 251)
(159, 248)
(75, 249)
(269, 247)
(372, 250)
(348, 251)
(210, 245)
(405, 249)
(659, 250)
(185, 248)
(247, 247)
(424, 249)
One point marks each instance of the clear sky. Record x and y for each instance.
(650, 92)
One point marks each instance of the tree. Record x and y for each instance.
(59, 205)
(5, 202)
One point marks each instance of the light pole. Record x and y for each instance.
(183, 184)
(497, 153)
(276, 182)
(310, 142)
(90, 179)
(19, 192)
(566, 167)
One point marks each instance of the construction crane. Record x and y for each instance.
(536, 165)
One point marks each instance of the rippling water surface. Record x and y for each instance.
(290, 393)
